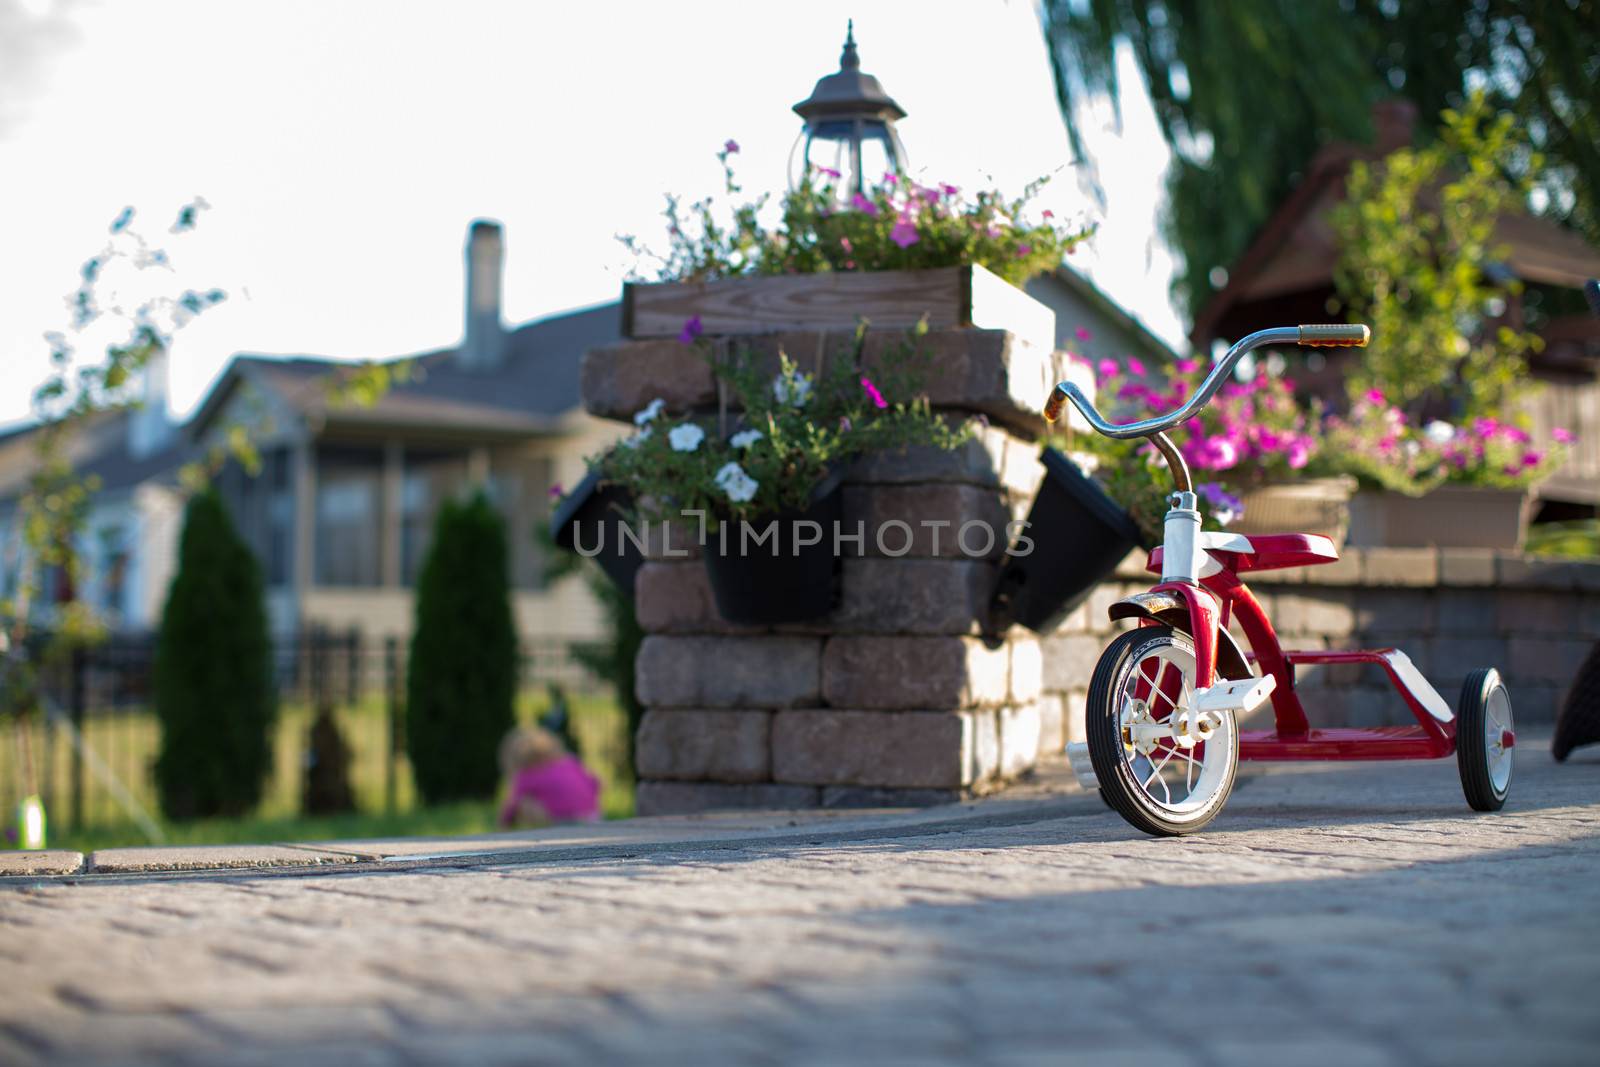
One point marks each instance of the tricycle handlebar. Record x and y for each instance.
(1310, 336)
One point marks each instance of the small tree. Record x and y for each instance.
(1416, 234)
(463, 664)
(213, 672)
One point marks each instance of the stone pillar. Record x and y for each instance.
(894, 698)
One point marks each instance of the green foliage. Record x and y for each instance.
(213, 673)
(898, 224)
(462, 678)
(77, 390)
(612, 658)
(1246, 92)
(794, 428)
(1415, 235)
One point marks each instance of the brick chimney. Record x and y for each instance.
(484, 342)
(1394, 124)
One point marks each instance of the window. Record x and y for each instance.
(349, 517)
(262, 508)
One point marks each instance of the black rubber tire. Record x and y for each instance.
(1103, 731)
(1472, 754)
(1578, 722)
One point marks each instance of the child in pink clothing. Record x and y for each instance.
(548, 783)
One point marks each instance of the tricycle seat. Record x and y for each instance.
(1260, 552)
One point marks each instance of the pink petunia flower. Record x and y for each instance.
(904, 233)
(1515, 433)
(1532, 458)
(556, 492)
(890, 178)
(1023, 251)
(1082, 333)
(862, 204)
(844, 243)
(1135, 367)
(731, 146)
(1375, 396)
(1299, 453)
(1047, 213)
(872, 392)
(829, 172)
(1186, 366)
(692, 329)
(1563, 436)
(1107, 368)
(949, 190)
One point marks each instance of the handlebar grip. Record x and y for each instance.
(1591, 292)
(1053, 406)
(1335, 335)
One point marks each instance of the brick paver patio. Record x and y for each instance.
(1354, 915)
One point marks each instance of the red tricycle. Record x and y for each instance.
(1162, 741)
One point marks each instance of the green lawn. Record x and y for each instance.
(127, 741)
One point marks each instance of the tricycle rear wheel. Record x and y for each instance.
(1485, 737)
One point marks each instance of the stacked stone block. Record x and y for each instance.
(1450, 610)
(894, 698)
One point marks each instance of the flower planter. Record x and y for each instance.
(889, 300)
(1079, 536)
(779, 580)
(594, 516)
(1452, 516)
(1314, 506)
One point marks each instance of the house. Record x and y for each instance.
(1285, 277)
(130, 534)
(1112, 331)
(342, 509)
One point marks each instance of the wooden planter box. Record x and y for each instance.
(1452, 516)
(1312, 506)
(889, 299)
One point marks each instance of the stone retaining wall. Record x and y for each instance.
(1450, 610)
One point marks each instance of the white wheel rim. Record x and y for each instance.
(1181, 783)
(1497, 726)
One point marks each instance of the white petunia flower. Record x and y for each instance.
(793, 390)
(637, 439)
(650, 412)
(1439, 432)
(745, 438)
(686, 438)
(739, 486)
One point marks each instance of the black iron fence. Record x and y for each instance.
(90, 753)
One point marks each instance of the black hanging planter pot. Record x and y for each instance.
(592, 517)
(775, 582)
(1079, 536)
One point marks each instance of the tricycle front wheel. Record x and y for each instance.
(1157, 783)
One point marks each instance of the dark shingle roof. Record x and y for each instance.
(532, 390)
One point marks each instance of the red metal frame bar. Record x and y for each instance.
(1293, 738)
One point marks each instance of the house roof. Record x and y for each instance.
(534, 389)
(1092, 294)
(1295, 249)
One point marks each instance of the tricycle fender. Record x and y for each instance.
(1194, 611)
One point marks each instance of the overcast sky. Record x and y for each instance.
(345, 146)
